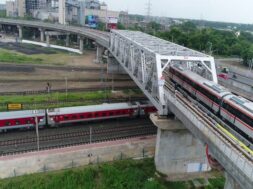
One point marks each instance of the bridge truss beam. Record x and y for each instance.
(144, 57)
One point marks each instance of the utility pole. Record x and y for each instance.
(37, 130)
(148, 11)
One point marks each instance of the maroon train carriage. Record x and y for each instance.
(21, 119)
(236, 110)
(98, 112)
(26, 119)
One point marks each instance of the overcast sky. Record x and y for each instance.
(217, 10)
(240, 11)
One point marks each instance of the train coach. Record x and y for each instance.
(22, 119)
(98, 112)
(235, 110)
(55, 117)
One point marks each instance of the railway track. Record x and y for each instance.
(32, 67)
(57, 138)
(60, 80)
(97, 88)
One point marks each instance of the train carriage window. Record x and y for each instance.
(246, 119)
(28, 121)
(82, 116)
(7, 123)
(17, 122)
(104, 114)
(66, 118)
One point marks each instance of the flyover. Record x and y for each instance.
(145, 59)
(101, 38)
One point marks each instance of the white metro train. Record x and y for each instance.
(235, 110)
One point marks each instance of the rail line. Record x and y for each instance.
(97, 88)
(61, 80)
(32, 67)
(77, 137)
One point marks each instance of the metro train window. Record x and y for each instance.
(28, 121)
(111, 113)
(104, 114)
(246, 119)
(81, 116)
(17, 122)
(65, 117)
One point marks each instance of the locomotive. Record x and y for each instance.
(235, 110)
(58, 116)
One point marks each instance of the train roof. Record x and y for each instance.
(92, 108)
(21, 114)
(242, 102)
(214, 87)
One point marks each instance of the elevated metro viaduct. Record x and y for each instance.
(180, 144)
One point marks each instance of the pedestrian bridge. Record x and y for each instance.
(145, 58)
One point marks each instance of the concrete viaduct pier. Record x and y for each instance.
(179, 155)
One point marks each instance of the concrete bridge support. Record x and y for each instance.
(81, 44)
(100, 52)
(230, 182)
(20, 32)
(48, 40)
(42, 34)
(113, 67)
(178, 154)
(67, 40)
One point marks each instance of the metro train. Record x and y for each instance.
(55, 117)
(236, 111)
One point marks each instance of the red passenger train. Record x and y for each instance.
(54, 117)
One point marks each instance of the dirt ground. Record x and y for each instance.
(58, 68)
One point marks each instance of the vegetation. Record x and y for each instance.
(126, 174)
(8, 56)
(39, 57)
(219, 42)
(213, 41)
(54, 100)
(2, 13)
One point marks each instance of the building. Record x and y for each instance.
(92, 4)
(11, 9)
(21, 6)
(2, 6)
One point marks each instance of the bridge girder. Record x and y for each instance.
(145, 57)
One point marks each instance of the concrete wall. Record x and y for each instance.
(69, 157)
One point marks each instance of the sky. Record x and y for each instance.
(239, 11)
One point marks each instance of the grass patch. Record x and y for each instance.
(54, 57)
(54, 100)
(56, 96)
(126, 174)
(8, 56)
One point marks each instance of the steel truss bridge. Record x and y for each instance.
(144, 58)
